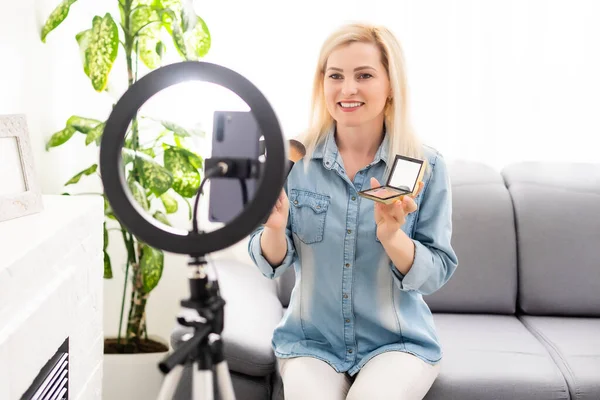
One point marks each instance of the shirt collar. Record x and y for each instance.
(327, 150)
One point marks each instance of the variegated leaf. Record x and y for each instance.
(56, 17)
(95, 134)
(151, 267)
(60, 137)
(153, 175)
(198, 40)
(172, 24)
(139, 194)
(160, 216)
(176, 129)
(102, 51)
(81, 124)
(170, 203)
(86, 172)
(186, 178)
(83, 40)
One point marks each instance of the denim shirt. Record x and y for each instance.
(349, 302)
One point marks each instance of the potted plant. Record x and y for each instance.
(162, 172)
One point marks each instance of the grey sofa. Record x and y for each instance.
(520, 318)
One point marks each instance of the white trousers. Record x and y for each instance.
(390, 375)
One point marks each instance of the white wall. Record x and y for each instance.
(491, 81)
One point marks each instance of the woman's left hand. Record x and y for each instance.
(391, 217)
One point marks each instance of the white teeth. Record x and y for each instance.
(349, 105)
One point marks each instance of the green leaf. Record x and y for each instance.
(81, 124)
(95, 134)
(138, 192)
(108, 212)
(107, 267)
(160, 216)
(186, 177)
(151, 267)
(102, 50)
(88, 171)
(170, 203)
(153, 175)
(83, 40)
(56, 17)
(198, 40)
(60, 137)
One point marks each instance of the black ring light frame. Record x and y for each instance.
(131, 214)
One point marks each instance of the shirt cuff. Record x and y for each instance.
(419, 271)
(261, 262)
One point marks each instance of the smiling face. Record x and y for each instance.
(356, 85)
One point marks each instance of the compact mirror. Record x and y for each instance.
(403, 180)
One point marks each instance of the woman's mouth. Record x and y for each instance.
(349, 106)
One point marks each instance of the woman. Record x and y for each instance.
(357, 326)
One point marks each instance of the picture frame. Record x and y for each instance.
(404, 178)
(20, 193)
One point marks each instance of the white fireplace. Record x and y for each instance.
(51, 281)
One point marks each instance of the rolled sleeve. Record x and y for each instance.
(435, 260)
(255, 252)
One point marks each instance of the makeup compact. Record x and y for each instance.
(404, 178)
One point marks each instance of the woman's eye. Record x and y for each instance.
(335, 76)
(365, 76)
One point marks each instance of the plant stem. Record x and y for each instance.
(124, 285)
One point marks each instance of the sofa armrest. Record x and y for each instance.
(252, 311)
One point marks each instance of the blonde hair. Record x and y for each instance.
(402, 139)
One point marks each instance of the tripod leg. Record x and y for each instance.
(224, 381)
(169, 386)
(202, 384)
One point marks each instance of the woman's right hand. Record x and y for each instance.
(279, 214)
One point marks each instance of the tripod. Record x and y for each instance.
(204, 350)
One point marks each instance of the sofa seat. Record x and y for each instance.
(493, 357)
(574, 344)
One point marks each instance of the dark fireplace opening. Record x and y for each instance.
(52, 383)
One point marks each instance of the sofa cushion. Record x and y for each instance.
(252, 311)
(484, 240)
(493, 357)
(574, 343)
(557, 208)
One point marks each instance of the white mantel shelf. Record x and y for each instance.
(51, 267)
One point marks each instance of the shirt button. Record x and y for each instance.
(353, 197)
(350, 351)
(347, 265)
(295, 201)
(347, 320)
(349, 230)
(345, 296)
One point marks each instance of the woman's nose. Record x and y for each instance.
(349, 88)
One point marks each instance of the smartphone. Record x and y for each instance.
(235, 134)
(404, 178)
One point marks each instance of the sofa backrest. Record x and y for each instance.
(484, 240)
(557, 208)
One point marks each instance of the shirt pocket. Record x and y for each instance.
(308, 212)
